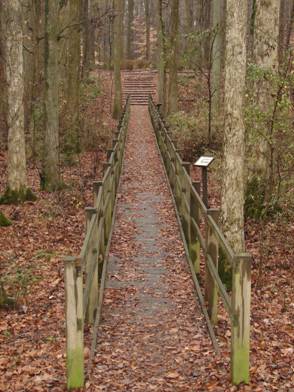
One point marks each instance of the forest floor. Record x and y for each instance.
(165, 356)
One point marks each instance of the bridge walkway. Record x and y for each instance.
(152, 335)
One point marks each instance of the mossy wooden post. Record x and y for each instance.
(109, 152)
(211, 289)
(92, 254)
(240, 340)
(74, 323)
(194, 248)
(96, 186)
(186, 202)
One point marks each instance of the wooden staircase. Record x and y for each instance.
(138, 85)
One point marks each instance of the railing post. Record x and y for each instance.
(194, 241)
(211, 289)
(186, 203)
(93, 294)
(96, 186)
(74, 323)
(240, 340)
(89, 212)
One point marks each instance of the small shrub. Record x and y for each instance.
(4, 222)
(16, 197)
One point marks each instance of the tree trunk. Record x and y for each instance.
(17, 181)
(50, 176)
(266, 58)
(286, 21)
(130, 29)
(117, 53)
(147, 18)
(203, 22)
(218, 22)
(173, 60)
(188, 16)
(162, 58)
(86, 38)
(232, 201)
(73, 68)
(3, 88)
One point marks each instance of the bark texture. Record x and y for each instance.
(173, 59)
(218, 23)
(117, 52)
(14, 64)
(266, 59)
(50, 178)
(73, 68)
(162, 57)
(147, 21)
(130, 29)
(234, 143)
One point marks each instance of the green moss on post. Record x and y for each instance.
(4, 222)
(74, 323)
(240, 341)
(75, 368)
(194, 248)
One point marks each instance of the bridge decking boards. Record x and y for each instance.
(152, 336)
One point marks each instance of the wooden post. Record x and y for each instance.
(74, 323)
(92, 254)
(89, 211)
(186, 204)
(96, 186)
(109, 152)
(194, 240)
(106, 165)
(211, 289)
(240, 340)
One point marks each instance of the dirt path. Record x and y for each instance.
(152, 337)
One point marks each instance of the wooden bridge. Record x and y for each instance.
(138, 244)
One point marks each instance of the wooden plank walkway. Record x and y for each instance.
(152, 336)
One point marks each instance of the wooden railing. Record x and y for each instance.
(196, 219)
(85, 274)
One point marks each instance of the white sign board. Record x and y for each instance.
(204, 161)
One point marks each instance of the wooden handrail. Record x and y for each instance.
(191, 209)
(82, 274)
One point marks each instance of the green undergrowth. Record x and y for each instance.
(17, 197)
(4, 222)
(15, 284)
(256, 205)
(5, 300)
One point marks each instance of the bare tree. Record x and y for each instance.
(232, 202)
(12, 14)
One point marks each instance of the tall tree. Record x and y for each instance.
(266, 33)
(286, 27)
(50, 175)
(162, 56)
(73, 69)
(232, 200)
(203, 15)
(12, 13)
(117, 54)
(173, 59)
(3, 88)
(218, 24)
(130, 29)
(86, 23)
(147, 22)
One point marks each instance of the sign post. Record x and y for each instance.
(204, 162)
